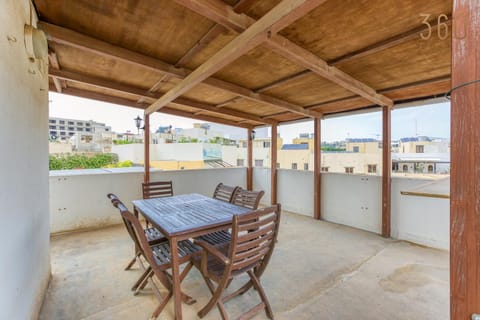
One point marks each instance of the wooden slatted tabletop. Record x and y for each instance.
(186, 213)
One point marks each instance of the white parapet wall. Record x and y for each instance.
(24, 236)
(78, 197)
(355, 200)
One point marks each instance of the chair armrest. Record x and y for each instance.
(212, 250)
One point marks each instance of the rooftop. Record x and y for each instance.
(342, 262)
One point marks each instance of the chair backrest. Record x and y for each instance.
(247, 199)
(136, 232)
(113, 198)
(224, 192)
(157, 189)
(253, 238)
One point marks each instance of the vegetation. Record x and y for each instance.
(187, 140)
(78, 161)
(333, 149)
(122, 141)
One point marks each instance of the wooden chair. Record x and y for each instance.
(157, 189)
(249, 252)
(153, 235)
(247, 199)
(239, 197)
(159, 258)
(224, 192)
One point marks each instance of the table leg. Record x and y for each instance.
(177, 292)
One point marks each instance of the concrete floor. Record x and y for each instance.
(319, 270)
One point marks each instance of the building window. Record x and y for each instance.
(87, 124)
(348, 169)
(372, 168)
(107, 129)
(62, 133)
(430, 168)
(305, 166)
(53, 133)
(240, 162)
(61, 121)
(395, 166)
(278, 165)
(79, 129)
(419, 149)
(71, 123)
(405, 168)
(52, 127)
(87, 129)
(259, 163)
(266, 144)
(52, 121)
(71, 128)
(61, 128)
(356, 149)
(71, 134)
(79, 123)
(294, 166)
(324, 169)
(244, 144)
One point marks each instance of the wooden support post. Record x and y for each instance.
(249, 160)
(386, 171)
(146, 144)
(317, 168)
(273, 165)
(465, 152)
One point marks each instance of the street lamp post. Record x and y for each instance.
(138, 123)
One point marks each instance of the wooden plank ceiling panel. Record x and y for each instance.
(92, 64)
(409, 62)
(158, 28)
(253, 107)
(309, 90)
(87, 87)
(207, 94)
(337, 28)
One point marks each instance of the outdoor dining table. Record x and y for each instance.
(182, 217)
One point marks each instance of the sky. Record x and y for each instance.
(427, 120)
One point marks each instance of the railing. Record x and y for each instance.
(78, 198)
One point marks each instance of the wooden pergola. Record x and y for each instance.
(254, 63)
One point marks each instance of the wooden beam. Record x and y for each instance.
(52, 58)
(386, 171)
(372, 49)
(119, 87)
(130, 103)
(224, 14)
(465, 153)
(273, 165)
(146, 145)
(77, 40)
(275, 20)
(249, 160)
(317, 169)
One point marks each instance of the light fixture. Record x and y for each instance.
(252, 135)
(138, 123)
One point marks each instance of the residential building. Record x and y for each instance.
(363, 145)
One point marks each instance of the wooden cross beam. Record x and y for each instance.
(77, 40)
(275, 20)
(225, 15)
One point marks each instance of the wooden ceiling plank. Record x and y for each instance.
(275, 20)
(74, 39)
(224, 14)
(123, 88)
(372, 49)
(130, 103)
(212, 34)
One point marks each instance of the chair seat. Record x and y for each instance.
(154, 236)
(163, 256)
(216, 239)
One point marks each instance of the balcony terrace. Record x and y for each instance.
(318, 267)
(247, 64)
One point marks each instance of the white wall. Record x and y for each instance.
(355, 200)
(78, 197)
(164, 151)
(24, 236)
